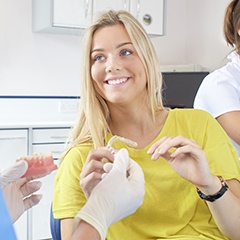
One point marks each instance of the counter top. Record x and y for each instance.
(57, 124)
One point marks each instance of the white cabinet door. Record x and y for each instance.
(13, 144)
(61, 16)
(40, 214)
(102, 5)
(149, 14)
(46, 140)
(72, 13)
(65, 16)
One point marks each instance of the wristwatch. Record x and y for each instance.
(212, 198)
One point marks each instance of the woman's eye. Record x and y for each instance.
(98, 58)
(125, 52)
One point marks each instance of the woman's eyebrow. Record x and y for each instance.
(118, 46)
(97, 50)
(123, 44)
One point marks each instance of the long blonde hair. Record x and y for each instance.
(92, 125)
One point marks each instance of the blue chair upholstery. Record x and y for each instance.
(55, 226)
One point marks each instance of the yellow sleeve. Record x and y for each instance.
(68, 197)
(220, 152)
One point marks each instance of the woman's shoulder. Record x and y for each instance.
(77, 153)
(195, 120)
(189, 113)
(191, 117)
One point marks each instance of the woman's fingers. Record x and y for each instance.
(90, 167)
(167, 145)
(93, 169)
(89, 182)
(99, 154)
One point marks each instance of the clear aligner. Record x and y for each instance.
(115, 138)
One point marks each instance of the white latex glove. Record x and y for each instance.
(13, 173)
(16, 190)
(117, 195)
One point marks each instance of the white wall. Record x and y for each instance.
(194, 34)
(48, 64)
(171, 47)
(35, 64)
(204, 39)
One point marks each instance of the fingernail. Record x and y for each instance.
(160, 151)
(153, 157)
(149, 151)
(173, 154)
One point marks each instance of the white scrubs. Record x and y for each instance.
(219, 92)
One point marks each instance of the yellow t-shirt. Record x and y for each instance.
(171, 208)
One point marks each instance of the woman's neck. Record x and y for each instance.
(137, 125)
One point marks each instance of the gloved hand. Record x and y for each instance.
(117, 195)
(17, 191)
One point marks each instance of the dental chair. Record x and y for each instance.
(55, 226)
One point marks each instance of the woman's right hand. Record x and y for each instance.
(92, 171)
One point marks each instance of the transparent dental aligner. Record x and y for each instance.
(115, 138)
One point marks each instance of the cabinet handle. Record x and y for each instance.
(12, 138)
(86, 8)
(125, 5)
(56, 153)
(138, 9)
(58, 137)
(147, 19)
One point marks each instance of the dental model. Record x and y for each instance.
(115, 138)
(39, 164)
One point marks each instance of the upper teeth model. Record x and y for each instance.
(115, 138)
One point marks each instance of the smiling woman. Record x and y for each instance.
(116, 67)
(182, 152)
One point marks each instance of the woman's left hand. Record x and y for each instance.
(186, 157)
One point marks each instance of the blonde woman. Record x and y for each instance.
(191, 168)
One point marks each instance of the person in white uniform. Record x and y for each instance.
(219, 93)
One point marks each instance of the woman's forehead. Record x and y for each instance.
(109, 34)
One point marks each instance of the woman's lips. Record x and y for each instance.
(117, 81)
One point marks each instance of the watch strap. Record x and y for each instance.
(212, 198)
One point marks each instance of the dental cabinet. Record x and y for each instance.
(73, 16)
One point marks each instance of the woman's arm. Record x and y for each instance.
(85, 231)
(66, 228)
(189, 161)
(230, 123)
(226, 210)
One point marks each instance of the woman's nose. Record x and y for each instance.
(112, 65)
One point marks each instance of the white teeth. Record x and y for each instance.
(117, 81)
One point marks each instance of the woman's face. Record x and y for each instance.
(116, 69)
